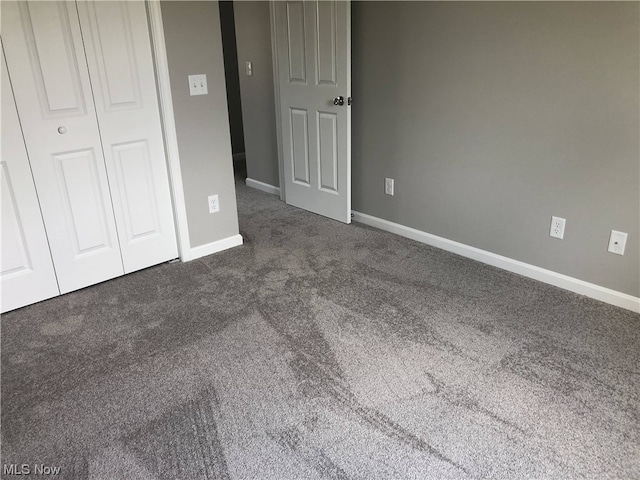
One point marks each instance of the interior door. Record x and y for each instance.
(119, 56)
(26, 269)
(313, 41)
(48, 71)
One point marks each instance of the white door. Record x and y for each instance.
(118, 48)
(313, 41)
(49, 75)
(26, 269)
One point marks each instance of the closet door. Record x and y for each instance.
(48, 71)
(119, 56)
(26, 269)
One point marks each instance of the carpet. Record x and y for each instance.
(321, 350)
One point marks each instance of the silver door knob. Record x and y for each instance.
(62, 130)
(338, 101)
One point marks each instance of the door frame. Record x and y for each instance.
(276, 89)
(170, 137)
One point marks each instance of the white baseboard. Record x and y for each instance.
(265, 187)
(214, 247)
(238, 156)
(575, 285)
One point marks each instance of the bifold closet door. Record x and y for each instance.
(50, 80)
(85, 88)
(118, 48)
(26, 269)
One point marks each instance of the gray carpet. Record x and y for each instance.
(321, 350)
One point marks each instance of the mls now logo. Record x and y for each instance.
(26, 469)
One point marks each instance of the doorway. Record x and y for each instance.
(246, 39)
(234, 105)
(317, 159)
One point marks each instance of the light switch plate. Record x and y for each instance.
(198, 84)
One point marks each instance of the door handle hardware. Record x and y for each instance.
(62, 130)
(338, 100)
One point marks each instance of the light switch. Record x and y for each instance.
(198, 85)
(249, 69)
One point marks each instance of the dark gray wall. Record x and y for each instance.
(492, 117)
(253, 40)
(230, 53)
(194, 45)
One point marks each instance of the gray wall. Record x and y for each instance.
(230, 53)
(253, 40)
(492, 117)
(192, 35)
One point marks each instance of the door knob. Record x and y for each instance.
(62, 130)
(338, 101)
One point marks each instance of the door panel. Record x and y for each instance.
(119, 56)
(14, 246)
(49, 41)
(26, 269)
(313, 48)
(54, 100)
(296, 54)
(109, 27)
(328, 151)
(326, 64)
(133, 177)
(83, 200)
(300, 146)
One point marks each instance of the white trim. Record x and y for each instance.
(575, 285)
(276, 89)
(239, 156)
(349, 185)
(215, 247)
(265, 187)
(169, 128)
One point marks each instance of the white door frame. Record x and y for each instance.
(276, 88)
(169, 129)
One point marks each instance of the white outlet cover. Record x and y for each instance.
(198, 84)
(214, 204)
(617, 242)
(388, 186)
(557, 227)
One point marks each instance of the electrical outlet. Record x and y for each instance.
(198, 84)
(214, 206)
(557, 227)
(617, 242)
(388, 186)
